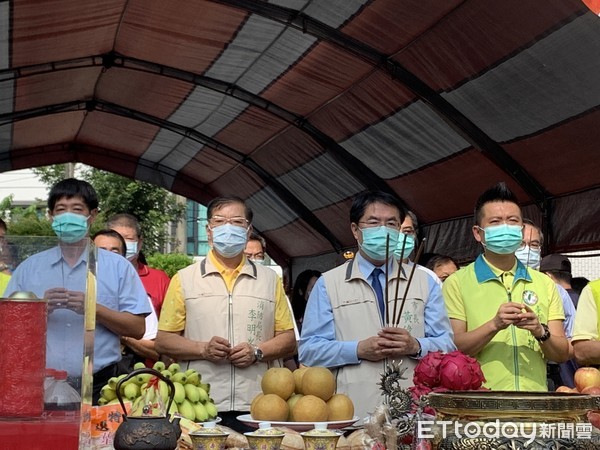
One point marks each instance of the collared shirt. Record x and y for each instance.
(513, 359)
(319, 331)
(118, 288)
(173, 314)
(586, 326)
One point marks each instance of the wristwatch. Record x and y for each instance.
(258, 354)
(544, 337)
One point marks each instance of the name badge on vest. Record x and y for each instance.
(530, 298)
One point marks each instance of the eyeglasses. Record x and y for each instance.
(374, 223)
(536, 245)
(408, 230)
(217, 221)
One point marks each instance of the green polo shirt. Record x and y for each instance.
(513, 359)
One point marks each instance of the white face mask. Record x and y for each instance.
(131, 249)
(530, 257)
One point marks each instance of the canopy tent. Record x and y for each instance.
(297, 105)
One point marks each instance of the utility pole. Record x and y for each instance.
(70, 170)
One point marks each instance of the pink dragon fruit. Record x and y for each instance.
(460, 372)
(427, 371)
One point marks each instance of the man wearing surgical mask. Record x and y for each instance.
(155, 281)
(226, 317)
(530, 254)
(348, 322)
(509, 317)
(61, 276)
(407, 242)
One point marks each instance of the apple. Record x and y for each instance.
(591, 390)
(587, 377)
(566, 389)
(594, 418)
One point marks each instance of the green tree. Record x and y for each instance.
(25, 221)
(169, 263)
(154, 206)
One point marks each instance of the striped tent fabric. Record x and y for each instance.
(298, 105)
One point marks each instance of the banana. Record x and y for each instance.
(108, 393)
(113, 402)
(193, 378)
(137, 408)
(149, 396)
(202, 395)
(211, 409)
(191, 393)
(112, 382)
(132, 391)
(179, 393)
(205, 386)
(102, 401)
(200, 411)
(187, 410)
(180, 377)
(143, 378)
(163, 389)
(139, 365)
(190, 371)
(167, 374)
(173, 409)
(174, 368)
(159, 365)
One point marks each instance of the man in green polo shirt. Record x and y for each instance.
(586, 330)
(509, 317)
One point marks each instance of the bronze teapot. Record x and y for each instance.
(144, 433)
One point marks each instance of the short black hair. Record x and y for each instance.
(497, 193)
(366, 198)
(219, 202)
(438, 260)
(300, 285)
(112, 233)
(72, 187)
(254, 236)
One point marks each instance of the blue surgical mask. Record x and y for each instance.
(503, 239)
(131, 249)
(70, 227)
(374, 241)
(530, 257)
(229, 240)
(260, 262)
(409, 246)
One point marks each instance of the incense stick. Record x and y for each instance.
(412, 272)
(387, 280)
(398, 280)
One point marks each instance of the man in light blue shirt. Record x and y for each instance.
(350, 327)
(60, 275)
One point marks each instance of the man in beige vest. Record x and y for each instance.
(345, 324)
(225, 316)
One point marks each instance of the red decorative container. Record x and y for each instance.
(23, 355)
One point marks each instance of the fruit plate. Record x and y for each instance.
(297, 426)
(216, 420)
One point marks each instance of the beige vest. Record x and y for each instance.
(356, 316)
(247, 314)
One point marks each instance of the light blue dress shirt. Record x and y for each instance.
(118, 288)
(318, 346)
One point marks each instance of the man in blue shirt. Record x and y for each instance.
(60, 275)
(346, 325)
